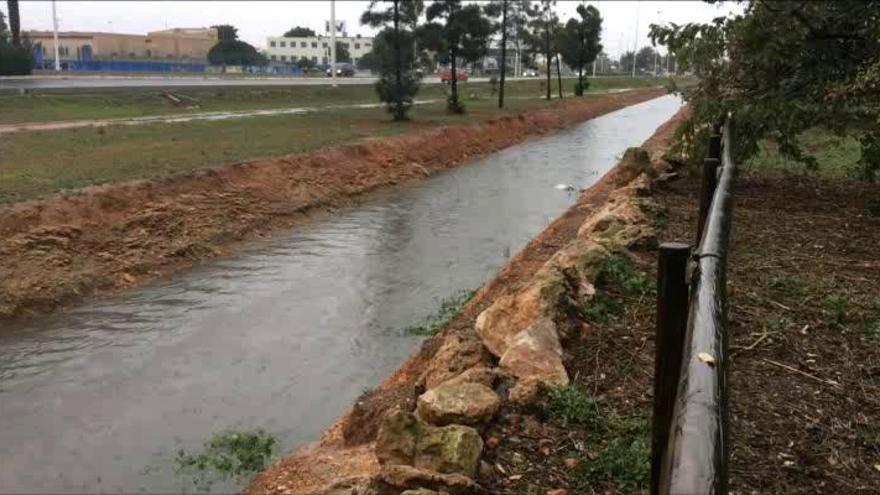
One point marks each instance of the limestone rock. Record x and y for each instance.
(422, 491)
(483, 375)
(455, 355)
(536, 352)
(507, 316)
(458, 403)
(396, 441)
(391, 480)
(621, 222)
(406, 440)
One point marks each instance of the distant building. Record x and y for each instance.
(314, 48)
(178, 44)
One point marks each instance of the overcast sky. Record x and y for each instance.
(257, 20)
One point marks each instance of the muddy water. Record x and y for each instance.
(283, 336)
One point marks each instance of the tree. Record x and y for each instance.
(4, 29)
(781, 68)
(463, 33)
(299, 32)
(343, 55)
(226, 32)
(14, 22)
(229, 50)
(393, 53)
(14, 60)
(579, 43)
(544, 28)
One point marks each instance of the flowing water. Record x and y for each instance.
(283, 336)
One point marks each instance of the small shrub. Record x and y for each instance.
(449, 307)
(569, 405)
(787, 285)
(619, 271)
(839, 306)
(602, 309)
(869, 436)
(580, 89)
(778, 323)
(229, 454)
(872, 328)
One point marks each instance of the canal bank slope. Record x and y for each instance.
(103, 239)
(440, 421)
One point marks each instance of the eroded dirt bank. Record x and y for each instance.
(429, 426)
(102, 239)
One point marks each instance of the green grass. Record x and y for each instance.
(837, 156)
(59, 105)
(230, 454)
(449, 307)
(839, 305)
(620, 275)
(790, 285)
(620, 443)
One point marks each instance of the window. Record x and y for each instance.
(284, 58)
(324, 45)
(272, 44)
(315, 60)
(283, 44)
(274, 57)
(314, 44)
(325, 61)
(346, 45)
(357, 46)
(302, 44)
(367, 45)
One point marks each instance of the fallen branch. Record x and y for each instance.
(804, 373)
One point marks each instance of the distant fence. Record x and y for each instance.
(167, 67)
(689, 444)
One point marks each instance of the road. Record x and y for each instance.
(16, 83)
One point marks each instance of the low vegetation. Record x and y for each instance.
(229, 454)
(449, 307)
(618, 275)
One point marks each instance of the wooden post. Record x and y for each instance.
(672, 307)
(707, 190)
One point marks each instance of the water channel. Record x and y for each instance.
(283, 336)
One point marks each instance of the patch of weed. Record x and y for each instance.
(602, 309)
(569, 405)
(872, 328)
(839, 306)
(229, 454)
(778, 323)
(869, 436)
(619, 271)
(449, 307)
(787, 285)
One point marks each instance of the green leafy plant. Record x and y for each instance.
(624, 458)
(602, 309)
(839, 306)
(449, 307)
(569, 405)
(229, 454)
(789, 285)
(620, 272)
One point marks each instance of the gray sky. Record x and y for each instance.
(257, 19)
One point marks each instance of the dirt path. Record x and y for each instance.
(103, 239)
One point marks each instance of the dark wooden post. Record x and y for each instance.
(672, 307)
(707, 190)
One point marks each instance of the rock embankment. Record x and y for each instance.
(420, 432)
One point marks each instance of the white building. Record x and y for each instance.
(316, 48)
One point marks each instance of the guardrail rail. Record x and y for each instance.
(689, 444)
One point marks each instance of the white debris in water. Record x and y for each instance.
(564, 187)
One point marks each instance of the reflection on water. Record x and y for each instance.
(283, 336)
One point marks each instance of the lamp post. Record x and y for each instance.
(636, 39)
(55, 37)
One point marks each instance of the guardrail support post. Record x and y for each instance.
(707, 190)
(672, 307)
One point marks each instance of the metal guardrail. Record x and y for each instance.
(689, 432)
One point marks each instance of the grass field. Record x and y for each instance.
(837, 156)
(59, 105)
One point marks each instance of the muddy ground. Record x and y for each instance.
(99, 240)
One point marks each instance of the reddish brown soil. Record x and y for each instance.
(402, 387)
(99, 240)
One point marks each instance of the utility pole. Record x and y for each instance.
(55, 36)
(503, 52)
(659, 21)
(333, 41)
(636, 40)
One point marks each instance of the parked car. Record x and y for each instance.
(446, 75)
(342, 69)
(530, 73)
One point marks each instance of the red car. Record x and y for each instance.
(446, 75)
